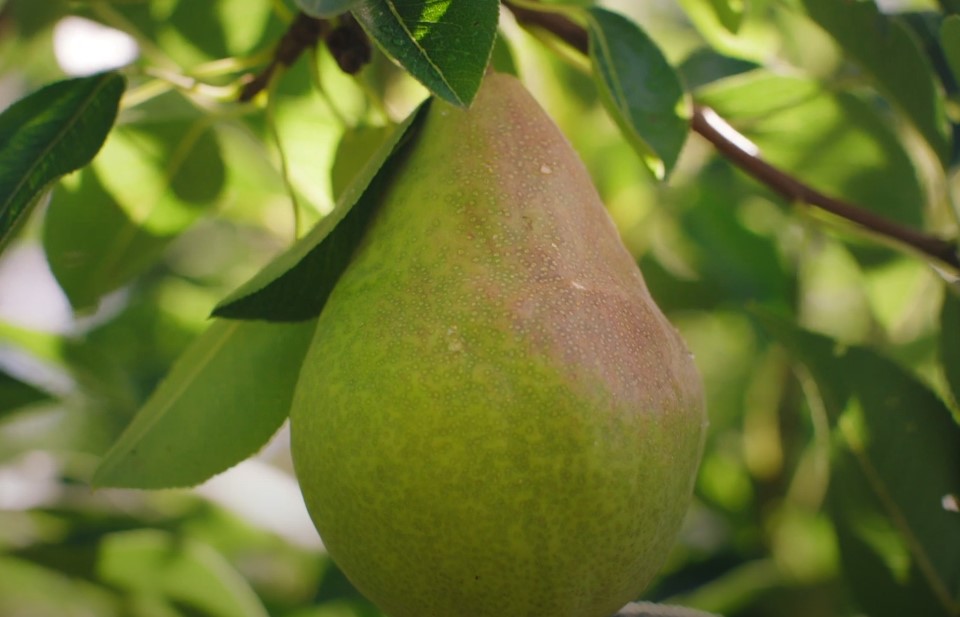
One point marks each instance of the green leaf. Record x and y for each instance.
(357, 146)
(639, 88)
(899, 441)
(874, 555)
(502, 59)
(950, 342)
(296, 284)
(155, 563)
(15, 394)
(53, 131)
(223, 399)
(112, 222)
(833, 140)
(445, 44)
(950, 41)
(885, 49)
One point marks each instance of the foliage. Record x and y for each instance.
(783, 171)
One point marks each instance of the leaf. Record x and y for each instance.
(112, 222)
(950, 342)
(900, 442)
(950, 41)
(639, 88)
(223, 399)
(651, 609)
(884, 48)
(833, 140)
(15, 394)
(445, 44)
(53, 131)
(151, 562)
(296, 284)
(357, 146)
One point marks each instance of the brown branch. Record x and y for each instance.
(708, 125)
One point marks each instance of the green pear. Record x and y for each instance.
(494, 418)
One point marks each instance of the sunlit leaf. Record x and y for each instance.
(52, 132)
(443, 43)
(156, 563)
(886, 50)
(639, 88)
(833, 141)
(295, 285)
(111, 222)
(223, 399)
(899, 441)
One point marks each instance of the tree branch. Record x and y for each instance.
(716, 131)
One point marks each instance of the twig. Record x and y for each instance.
(710, 126)
(304, 32)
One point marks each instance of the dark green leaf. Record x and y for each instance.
(296, 284)
(950, 342)
(223, 399)
(904, 446)
(950, 41)
(52, 132)
(639, 88)
(502, 59)
(112, 222)
(158, 564)
(875, 556)
(443, 43)
(15, 394)
(885, 48)
(834, 141)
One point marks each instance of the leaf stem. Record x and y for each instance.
(713, 129)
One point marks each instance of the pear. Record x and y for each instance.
(494, 419)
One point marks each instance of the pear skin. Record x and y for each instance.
(494, 418)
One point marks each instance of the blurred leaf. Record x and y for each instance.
(950, 40)
(326, 8)
(885, 48)
(33, 17)
(727, 13)
(295, 285)
(704, 66)
(833, 141)
(502, 59)
(49, 133)
(28, 590)
(156, 563)
(111, 223)
(357, 146)
(902, 444)
(639, 88)
(15, 394)
(751, 37)
(875, 555)
(223, 399)
(950, 342)
(443, 43)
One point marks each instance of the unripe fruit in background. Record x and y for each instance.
(494, 418)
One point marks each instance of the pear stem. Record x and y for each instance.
(711, 127)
